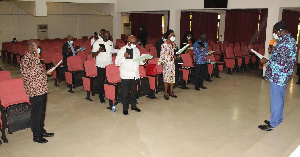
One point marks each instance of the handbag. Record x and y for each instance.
(151, 70)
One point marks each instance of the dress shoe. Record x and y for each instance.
(267, 122)
(125, 112)
(109, 107)
(173, 95)
(209, 80)
(203, 87)
(102, 100)
(136, 109)
(166, 97)
(266, 127)
(47, 134)
(40, 140)
(197, 88)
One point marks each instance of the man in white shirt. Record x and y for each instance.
(98, 36)
(129, 72)
(101, 50)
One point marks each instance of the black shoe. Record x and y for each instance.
(109, 107)
(197, 88)
(266, 127)
(166, 97)
(267, 122)
(125, 112)
(136, 109)
(102, 100)
(40, 140)
(203, 87)
(0, 142)
(209, 80)
(4, 140)
(173, 95)
(185, 87)
(47, 134)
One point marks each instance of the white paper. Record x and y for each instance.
(52, 69)
(114, 51)
(143, 57)
(210, 52)
(259, 55)
(181, 50)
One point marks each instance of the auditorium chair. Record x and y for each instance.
(143, 84)
(21, 53)
(15, 107)
(153, 51)
(262, 52)
(83, 55)
(246, 55)
(214, 66)
(238, 55)
(90, 57)
(111, 87)
(89, 78)
(155, 81)
(230, 60)
(5, 75)
(187, 67)
(74, 73)
(218, 52)
(148, 46)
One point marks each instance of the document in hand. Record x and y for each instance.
(114, 51)
(181, 50)
(52, 69)
(259, 55)
(81, 49)
(210, 52)
(143, 57)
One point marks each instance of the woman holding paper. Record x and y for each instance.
(167, 57)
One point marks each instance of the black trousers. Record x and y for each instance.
(200, 71)
(38, 112)
(128, 93)
(101, 75)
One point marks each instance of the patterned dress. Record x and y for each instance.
(281, 63)
(167, 59)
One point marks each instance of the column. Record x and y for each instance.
(117, 26)
(174, 24)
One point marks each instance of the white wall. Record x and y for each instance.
(17, 23)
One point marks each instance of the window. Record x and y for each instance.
(218, 30)
(191, 16)
(298, 32)
(163, 24)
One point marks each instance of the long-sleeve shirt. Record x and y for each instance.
(200, 53)
(33, 75)
(281, 63)
(128, 68)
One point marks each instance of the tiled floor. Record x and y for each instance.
(220, 121)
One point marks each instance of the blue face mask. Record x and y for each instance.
(39, 50)
(71, 42)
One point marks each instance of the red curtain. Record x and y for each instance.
(152, 23)
(184, 23)
(291, 18)
(263, 26)
(206, 23)
(241, 26)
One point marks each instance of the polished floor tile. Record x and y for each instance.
(220, 121)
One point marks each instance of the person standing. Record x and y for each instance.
(129, 73)
(167, 58)
(278, 72)
(200, 50)
(36, 87)
(158, 44)
(143, 35)
(101, 50)
(68, 50)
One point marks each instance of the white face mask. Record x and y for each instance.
(164, 39)
(71, 42)
(39, 50)
(172, 38)
(275, 36)
(189, 38)
(133, 46)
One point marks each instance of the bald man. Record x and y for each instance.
(68, 50)
(36, 87)
(129, 72)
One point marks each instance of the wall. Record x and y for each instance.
(62, 20)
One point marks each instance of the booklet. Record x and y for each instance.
(81, 49)
(114, 51)
(181, 50)
(143, 57)
(210, 52)
(52, 69)
(259, 55)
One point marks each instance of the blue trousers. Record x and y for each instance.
(277, 94)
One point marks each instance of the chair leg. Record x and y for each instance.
(156, 84)
(55, 84)
(4, 123)
(229, 71)
(298, 81)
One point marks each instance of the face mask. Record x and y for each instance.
(172, 38)
(133, 46)
(141, 28)
(39, 50)
(275, 36)
(71, 42)
(105, 39)
(188, 38)
(164, 39)
(203, 39)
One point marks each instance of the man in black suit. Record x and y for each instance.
(67, 49)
